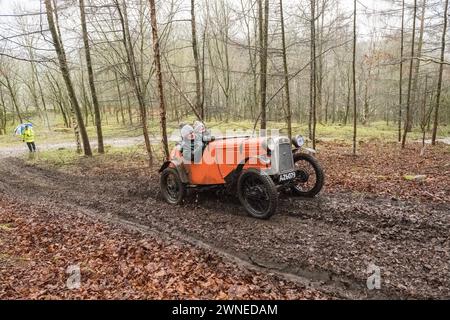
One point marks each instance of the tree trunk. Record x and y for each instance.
(286, 74)
(13, 98)
(414, 99)
(198, 97)
(407, 125)
(87, 52)
(263, 42)
(333, 116)
(119, 93)
(202, 103)
(400, 86)
(313, 81)
(32, 87)
(130, 112)
(157, 57)
(320, 60)
(441, 70)
(347, 105)
(424, 120)
(76, 130)
(85, 99)
(355, 114)
(2, 113)
(134, 81)
(66, 75)
(41, 91)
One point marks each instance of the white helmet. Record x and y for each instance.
(199, 126)
(186, 131)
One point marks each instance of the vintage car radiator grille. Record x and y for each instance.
(286, 160)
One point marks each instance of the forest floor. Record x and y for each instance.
(20, 148)
(105, 214)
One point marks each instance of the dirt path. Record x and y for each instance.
(117, 262)
(443, 140)
(330, 240)
(21, 148)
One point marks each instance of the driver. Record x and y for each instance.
(194, 141)
(202, 134)
(202, 137)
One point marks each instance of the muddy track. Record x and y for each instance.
(329, 240)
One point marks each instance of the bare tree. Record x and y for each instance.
(425, 114)
(119, 96)
(198, 86)
(29, 43)
(157, 55)
(355, 113)
(407, 126)
(263, 43)
(58, 98)
(219, 50)
(400, 86)
(415, 85)
(133, 74)
(57, 43)
(2, 112)
(313, 81)
(10, 86)
(87, 53)
(286, 73)
(441, 70)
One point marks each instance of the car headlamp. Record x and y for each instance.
(298, 141)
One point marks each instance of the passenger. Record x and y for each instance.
(202, 137)
(187, 142)
(200, 130)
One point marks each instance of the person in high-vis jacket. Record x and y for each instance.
(28, 137)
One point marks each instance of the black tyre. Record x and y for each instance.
(310, 176)
(257, 193)
(172, 188)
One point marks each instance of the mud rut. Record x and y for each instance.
(327, 242)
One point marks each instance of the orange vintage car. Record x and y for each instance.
(256, 168)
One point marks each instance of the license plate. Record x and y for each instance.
(287, 176)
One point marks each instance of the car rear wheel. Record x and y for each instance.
(257, 193)
(172, 188)
(310, 177)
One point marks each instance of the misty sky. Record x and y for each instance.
(366, 23)
(7, 6)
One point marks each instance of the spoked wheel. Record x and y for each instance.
(257, 193)
(172, 188)
(310, 176)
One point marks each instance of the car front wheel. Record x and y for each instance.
(257, 193)
(172, 188)
(310, 177)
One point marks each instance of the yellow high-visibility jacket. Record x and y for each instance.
(28, 135)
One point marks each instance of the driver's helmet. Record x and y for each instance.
(199, 127)
(187, 132)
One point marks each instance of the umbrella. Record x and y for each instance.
(21, 128)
